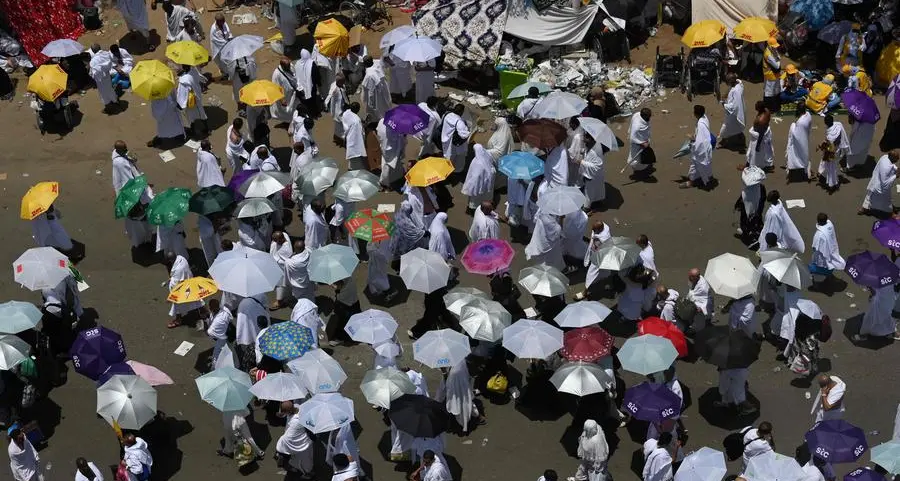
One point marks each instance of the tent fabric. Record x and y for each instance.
(557, 25)
(37, 22)
(731, 12)
(470, 30)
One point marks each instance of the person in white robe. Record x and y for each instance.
(592, 173)
(433, 467)
(457, 395)
(761, 150)
(556, 167)
(546, 244)
(137, 228)
(297, 273)
(829, 403)
(377, 280)
(600, 233)
(315, 229)
(352, 65)
(87, 471)
(354, 138)
(251, 232)
(837, 135)
(101, 68)
(658, 463)
(209, 167)
(454, 134)
(250, 311)
(439, 237)
(282, 111)
(665, 302)
(426, 136)
(47, 231)
(63, 297)
(234, 145)
(861, 135)
(190, 30)
(210, 240)
(24, 460)
(306, 313)
(123, 63)
(326, 72)
(400, 74)
(423, 200)
(187, 93)
(639, 139)
(733, 388)
(123, 166)
(424, 80)
(526, 107)
(287, 22)
(593, 453)
(295, 441)
(880, 190)
(701, 152)
(342, 441)
(778, 221)
(742, 316)
(733, 126)
(262, 158)
(375, 91)
(878, 320)
(826, 256)
(243, 71)
(300, 131)
(179, 271)
(575, 148)
(485, 223)
(175, 15)
(335, 103)
(235, 427)
(170, 240)
(702, 295)
(219, 35)
(393, 148)
(784, 320)
(798, 144)
(479, 183)
(281, 250)
(502, 140)
(409, 230)
(418, 381)
(574, 225)
(169, 124)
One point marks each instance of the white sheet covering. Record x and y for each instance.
(554, 26)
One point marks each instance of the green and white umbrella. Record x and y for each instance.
(331, 263)
(356, 186)
(128, 400)
(647, 354)
(226, 388)
(316, 177)
(484, 320)
(543, 280)
(381, 386)
(18, 316)
(12, 351)
(423, 270)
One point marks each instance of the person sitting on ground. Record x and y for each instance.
(792, 89)
(823, 96)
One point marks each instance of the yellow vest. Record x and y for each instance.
(768, 73)
(818, 96)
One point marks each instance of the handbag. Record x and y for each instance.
(191, 100)
(243, 452)
(498, 384)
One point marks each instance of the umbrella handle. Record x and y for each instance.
(630, 158)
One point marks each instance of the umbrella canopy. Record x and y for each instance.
(152, 80)
(586, 344)
(703, 34)
(487, 256)
(808, 308)
(316, 177)
(543, 134)
(38, 199)
(264, 184)
(187, 52)
(356, 186)
(786, 267)
(168, 207)
(864, 474)
(18, 316)
(12, 351)
(484, 320)
(872, 270)
(860, 106)
(832, 33)
(601, 132)
(652, 402)
(836, 441)
(246, 272)
(531, 339)
(647, 354)
(418, 49)
(772, 466)
(287, 340)
(705, 464)
(48, 82)
(279, 386)
(429, 171)
(332, 38)
(887, 233)
(666, 329)
(406, 119)
(559, 105)
(460, 296)
(521, 165)
(370, 225)
(396, 35)
(522, 90)
(887, 455)
(211, 200)
(581, 379)
(226, 388)
(238, 179)
(129, 196)
(371, 326)
(192, 290)
(892, 96)
(420, 416)
(888, 65)
(731, 276)
(94, 350)
(253, 207)
(543, 280)
(755, 29)
(41, 268)
(726, 348)
(261, 93)
(61, 48)
(153, 375)
(326, 412)
(616, 254)
(423, 270)
(561, 200)
(126, 400)
(240, 47)
(119, 368)
(582, 314)
(331, 263)
(441, 348)
(319, 371)
(382, 386)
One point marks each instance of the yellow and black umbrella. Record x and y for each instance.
(48, 82)
(152, 79)
(187, 52)
(332, 38)
(703, 34)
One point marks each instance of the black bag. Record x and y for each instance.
(457, 139)
(648, 156)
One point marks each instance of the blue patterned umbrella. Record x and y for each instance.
(287, 340)
(836, 441)
(521, 165)
(817, 13)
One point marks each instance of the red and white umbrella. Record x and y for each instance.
(41, 268)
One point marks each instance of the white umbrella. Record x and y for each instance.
(731, 275)
(441, 348)
(254, 206)
(316, 177)
(601, 132)
(581, 379)
(647, 354)
(240, 47)
(319, 371)
(522, 90)
(326, 412)
(543, 280)
(423, 270)
(418, 49)
(809, 308)
(279, 386)
(616, 254)
(396, 35)
(264, 184)
(331, 263)
(41, 268)
(786, 267)
(246, 272)
(356, 186)
(559, 105)
(371, 326)
(460, 296)
(752, 175)
(530, 339)
(772, 466)
(63, 47)
(706, 464)
(13, 351)
(381, 386)
(562, 200)
(18, 316)
(582, 314)
(128, 400)
(484, 320)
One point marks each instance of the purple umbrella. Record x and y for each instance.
(836, 441)
(237, 180)
(860, 106)
(406, 119)
(887, 232)
(95, 350)
(651, 402)
(892, 97)
(872, 270)
(113, 369)
(864, 474)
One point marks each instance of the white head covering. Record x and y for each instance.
(440, 240)
(303, 70)
(501, 141)
(409, 228)
(459, 393)
(547, 235)
(592, 443)
(480, 176)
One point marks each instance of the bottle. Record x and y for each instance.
(484, 442)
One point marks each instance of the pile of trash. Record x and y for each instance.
(631, 86)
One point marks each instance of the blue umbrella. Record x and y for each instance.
(864, 474)
(817, 13)
(836, 441)
(651, 402)
(861, 106)
(521, 165)
(18, 316)
(872, 270)
(522, 90)
(287, 340)
(887, 455)
(94, 350)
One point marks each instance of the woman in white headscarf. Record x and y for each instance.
(479, 184)
(529, 205)
(342, 441)
(379, 258)
(457, 394)
(593, 451)
(306, 313)
(592, 173)
(306, 85)
(409, 230)
(502, 141)
(574, 225)
(439, 237)
(546, 242)
(180, 271)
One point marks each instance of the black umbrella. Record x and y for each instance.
(725, 348)
(211, 200)
(418, 415)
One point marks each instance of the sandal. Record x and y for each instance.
(173, 324)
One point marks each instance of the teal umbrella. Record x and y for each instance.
(332, 263)
(211, 200)
(287, 340)
(226, 388)
(647, 354)
(18, 316)
(887, 455)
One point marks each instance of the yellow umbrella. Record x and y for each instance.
(192, 290)
(332, 38)
(38, 199)
(187, 52)
(48, 82)
(888, 65)
(261, 92)
(755, 29)
(152, 79)
(703, 33)
(429, 171)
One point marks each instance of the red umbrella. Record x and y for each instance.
(666, 329)
(586, 344)
(543, 134)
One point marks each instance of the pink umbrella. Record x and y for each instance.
(487, 256)
(152, 375)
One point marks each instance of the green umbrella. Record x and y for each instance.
(211, 200)
(169, 207)
(129, 195)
